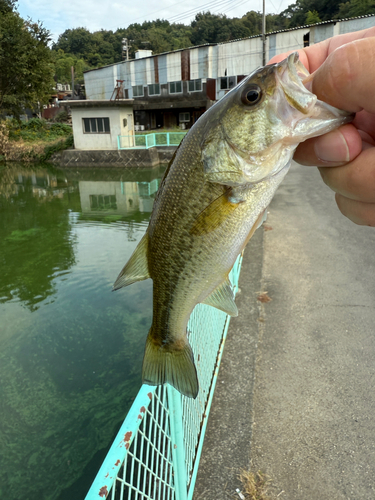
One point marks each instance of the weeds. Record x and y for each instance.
(254, 485)
(34, 140)
(36, 129)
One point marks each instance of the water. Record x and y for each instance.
(70, 349)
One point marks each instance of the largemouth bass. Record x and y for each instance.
(211, 200)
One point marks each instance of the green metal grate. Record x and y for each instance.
(156, 453)
(146, 141)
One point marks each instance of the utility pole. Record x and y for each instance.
(125, 48)
(72, 70)
(264, 32)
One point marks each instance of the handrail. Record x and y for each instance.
(156, 453)
(146, 141)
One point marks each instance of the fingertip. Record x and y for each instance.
(352, 139)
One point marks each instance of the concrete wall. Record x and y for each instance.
(85, 141)
(140, 158)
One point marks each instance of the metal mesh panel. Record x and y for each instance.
(156, 453)
(146, 141)
(147, 469)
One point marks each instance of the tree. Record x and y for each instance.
(356, 8)
(213, 28)
(63, 68)
(296, 13)
(7, 6)
(26, 76)
(312, 17)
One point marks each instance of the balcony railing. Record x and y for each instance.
(146, 141)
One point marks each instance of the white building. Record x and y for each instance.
(97, 124)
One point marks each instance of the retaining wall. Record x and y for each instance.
(123, 158)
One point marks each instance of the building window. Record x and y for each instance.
(96, 125)
(195, 85)
(184, 117)
(175, 87)
(138, 91)
(227, 82)
(103, 202)
(154, 89)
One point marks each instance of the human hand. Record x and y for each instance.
(343, 74)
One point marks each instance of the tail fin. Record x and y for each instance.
(162, 364)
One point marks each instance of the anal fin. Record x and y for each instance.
(136, 269)
(222, 298)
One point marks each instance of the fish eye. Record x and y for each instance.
(251, 95)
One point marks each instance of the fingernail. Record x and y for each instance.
(332, 147)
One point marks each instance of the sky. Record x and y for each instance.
(95, 15)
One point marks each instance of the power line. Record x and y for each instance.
(235, 6)
(214, 5)
(190, 12)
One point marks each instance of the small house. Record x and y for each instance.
(97, 124)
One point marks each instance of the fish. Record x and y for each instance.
(212, 198)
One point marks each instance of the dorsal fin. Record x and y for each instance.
(222, 298)
(136, 269)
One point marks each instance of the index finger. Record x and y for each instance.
(346, 78)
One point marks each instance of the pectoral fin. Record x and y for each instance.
(215, 214)
(222, 298)
(136, 269)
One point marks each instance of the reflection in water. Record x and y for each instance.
(70, 349)
(35, 243)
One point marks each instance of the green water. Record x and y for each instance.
(70, 348)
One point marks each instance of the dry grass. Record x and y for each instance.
(254, 485)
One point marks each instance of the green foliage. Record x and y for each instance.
(356, 8)
(49, 151)
(61, 117)
(26, 63)
(312, 11)
(213, 28)
(37, 129)
(85, 50)
(312, 17)
(7, 6)
(63, 65)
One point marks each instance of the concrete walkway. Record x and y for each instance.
(295, 396)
